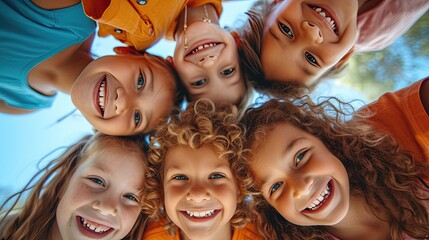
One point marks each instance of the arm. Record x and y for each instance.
(12, 110)
(424, 95)
(49, 4)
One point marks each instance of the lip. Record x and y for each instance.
(188, 52)
(325, 23)
(325, 203)
(96, 96)
(89, 233)
(202, 219)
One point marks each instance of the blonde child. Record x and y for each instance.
(206, 57)
(322, 177)
(92, 191)
(197, 180)
(46, 49)
(302, 42)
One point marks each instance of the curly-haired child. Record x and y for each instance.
(197, 179)
(323, 176)
(92, 191)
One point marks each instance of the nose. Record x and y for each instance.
(198, 193)
(301, 186)
(106, 206)
(121, 101)
(208, 60)
(312, 32)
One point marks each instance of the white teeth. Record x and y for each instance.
(200, 214)
(98, 229)
(101, 94)
(320, 199)
(330, 21)
(201, 47)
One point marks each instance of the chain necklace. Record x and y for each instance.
(206, 19)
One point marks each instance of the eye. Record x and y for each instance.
(199, 83)
(140, 81)
(180, 177)
(216, 176)
(285, 30)
(137, 117)
(299, 157)
(131, 197)
(311, 59)
(276, 186)
(227, 72)
(97, 181)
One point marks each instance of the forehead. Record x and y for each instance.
(184, 157)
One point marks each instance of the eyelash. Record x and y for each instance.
(285, 30)
(98, 181)
(180, 177)
(216, 176)
(275, 187)
(199, 83)
(227, 72)
(311, 59)
(131, 197)
(137, 117)
(141, 81)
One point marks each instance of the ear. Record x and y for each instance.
(170, 60)
(126, 50)
(345, 58)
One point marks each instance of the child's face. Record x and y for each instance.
(200, 191)
(300, 177)
(104, 194)
(125, 94)
(300, 45)
(210, 67)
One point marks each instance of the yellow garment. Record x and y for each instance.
(156, 231)
(140, 25)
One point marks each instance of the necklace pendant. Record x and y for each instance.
(207, 20)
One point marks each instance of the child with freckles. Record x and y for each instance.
(197, 181)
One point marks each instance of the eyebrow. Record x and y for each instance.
(285, 151)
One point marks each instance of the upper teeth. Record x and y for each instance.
(200, 214)
(316, 204)
(101, 93)
(324, 14)
(97, 229)
(201, 47)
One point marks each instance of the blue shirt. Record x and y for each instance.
(29, 35)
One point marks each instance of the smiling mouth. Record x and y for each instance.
(93, 229)
(321, 199)
(329, 19)
(203, 47)
(200, 215)
(101, 95)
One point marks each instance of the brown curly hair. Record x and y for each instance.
(37, 216)
(201, 124)
(391, 181)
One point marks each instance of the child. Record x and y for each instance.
(37, 67)
(93, 190)
(337, 179)
(206, 56)
(301, 43)
(197, 179)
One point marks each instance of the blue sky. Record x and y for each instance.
(25, 139)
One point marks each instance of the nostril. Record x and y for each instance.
(211, 57)
(311, 24)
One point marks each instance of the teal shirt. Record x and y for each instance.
(29, 35)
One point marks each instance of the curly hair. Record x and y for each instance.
(391, 180)
(201, 124)
(250, 53)
(37, 216)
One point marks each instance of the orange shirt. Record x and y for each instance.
(156, 231)
(402, 115)
(140, 23)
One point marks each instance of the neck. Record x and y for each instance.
(54, 232)
(196, 14)
(360, 223)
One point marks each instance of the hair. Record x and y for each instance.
(201, 124)
(250, 52)
(38, 213)
(391, 181)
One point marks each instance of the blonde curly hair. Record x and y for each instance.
(391, 181)
(201, 124)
